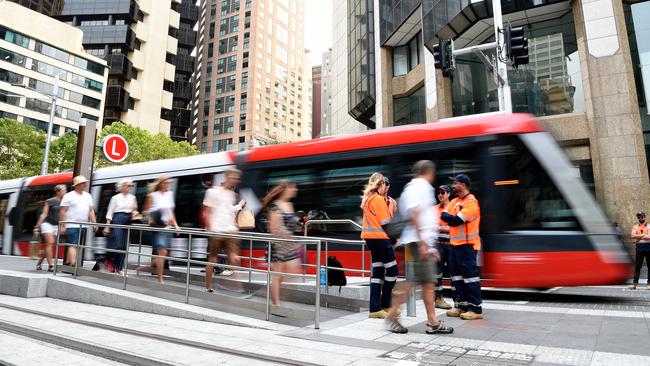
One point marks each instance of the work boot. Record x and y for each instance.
(441, 303)
(470, 315)
(380, 314)
(454, 312)
(632, 286)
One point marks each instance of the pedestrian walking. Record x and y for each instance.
(376, 212)
(641, 237)
(282, 223)
(122, 208)
(47, 226)
(442, 244)
(418, 237)
(76, 206)
(160, 207)
(221, 212)
(463, 215)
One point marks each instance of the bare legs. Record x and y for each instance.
(428, 296)
(160, 263)
(276, 283)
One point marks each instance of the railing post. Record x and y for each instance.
(304, 267)
(139, 250)
(327, 288)
(317, 299)
(78, 246)
(125, 263)
(56, 249)
(268, 282)
(250, 260)
(187, 277)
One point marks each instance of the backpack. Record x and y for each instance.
(335, 277)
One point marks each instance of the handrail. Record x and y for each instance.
(269, 239)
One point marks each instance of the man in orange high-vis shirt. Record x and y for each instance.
(463, 215)
(641, 237)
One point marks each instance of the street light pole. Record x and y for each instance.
(55, 92)
(505, 101)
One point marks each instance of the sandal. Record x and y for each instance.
(50, 268)
(39, 267)
(439, 328)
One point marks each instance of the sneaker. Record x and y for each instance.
(226, 272)
(441, 303)
(454, 312)
(209, 290)
(632, 286)
(440, 328)
(379, 314)
(470, 315)
(394, 326)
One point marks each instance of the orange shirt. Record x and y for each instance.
(468, 209)
(641, 229)
(375, 213)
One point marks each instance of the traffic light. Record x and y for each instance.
(516, 45)
(443, 57)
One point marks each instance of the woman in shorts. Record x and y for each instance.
(48, 224)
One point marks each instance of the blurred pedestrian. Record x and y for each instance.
(221, 207)
(442, 244)
(76, 206)
(48, 224)
(416, 204)
(282, 223)
(376, 212)
(122, 208)
(463, 215)
(641, 237)
(160, 206)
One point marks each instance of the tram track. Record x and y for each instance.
(125, 357)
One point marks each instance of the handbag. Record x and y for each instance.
(395, 226)
(245, 219)
(155, 219)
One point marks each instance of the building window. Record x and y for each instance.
(550, 84)
(408, 56)
(208, 69)
(14, 37)
(410, 109)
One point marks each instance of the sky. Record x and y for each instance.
(318, 27)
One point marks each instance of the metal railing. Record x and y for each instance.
(187, 259)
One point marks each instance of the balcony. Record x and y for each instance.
(117, 98)
(119, 65)
(189, 12)
(182, 90)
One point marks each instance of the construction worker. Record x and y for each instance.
(463, 215)
(641, 237)
(442, 243)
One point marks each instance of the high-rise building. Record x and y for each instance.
(138, 40)
(252, 75)
(587, 80)
(316, 103)
(47, 7)
(181, 114)
(34, 50)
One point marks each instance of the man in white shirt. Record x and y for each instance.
(417, 205)
(76, 205)
(221, 213)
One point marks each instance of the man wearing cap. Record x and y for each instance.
(442, 243)
(76, 205)
(641, 236)
(463, 214)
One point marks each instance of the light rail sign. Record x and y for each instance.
(115, 148)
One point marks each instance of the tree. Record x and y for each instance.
(62, 153)
(21, 149)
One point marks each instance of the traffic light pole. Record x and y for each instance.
(505, 100)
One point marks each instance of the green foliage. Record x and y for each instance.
(143, 145)
(21, 149)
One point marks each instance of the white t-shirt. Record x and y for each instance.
(163, 202)
(121, 203)
(222, 209)
(78, 205)
(419, 194)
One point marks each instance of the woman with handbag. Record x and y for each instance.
(221, 217)
(160, 207)
(384, 267)
(283, 223)
(122, 208)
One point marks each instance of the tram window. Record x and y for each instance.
(4, 202)
(140, 192)
(33, 205)
(190, 192)
(531, 201)
(306, 178)
(107, 191)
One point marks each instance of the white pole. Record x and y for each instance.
(55, 92)
(505, 101)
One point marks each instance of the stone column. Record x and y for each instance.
(614, 124)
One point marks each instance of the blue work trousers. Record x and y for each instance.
(463, 264)
(384, 273)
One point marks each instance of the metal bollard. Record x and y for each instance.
(410, 300)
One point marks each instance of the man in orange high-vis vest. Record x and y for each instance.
(463, 214)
